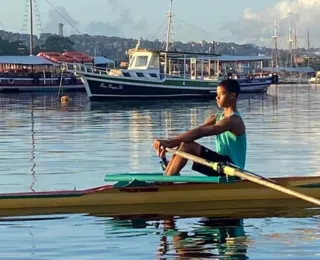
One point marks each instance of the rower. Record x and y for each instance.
(228, 128)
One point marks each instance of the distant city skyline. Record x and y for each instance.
(245, 21)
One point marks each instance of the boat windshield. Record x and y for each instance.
(141, 61)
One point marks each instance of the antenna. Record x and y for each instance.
(275, 53)
(169, 26)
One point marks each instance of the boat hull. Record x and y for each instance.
(14, 85)
(169, 199)
(104, 87)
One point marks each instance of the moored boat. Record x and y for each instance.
(162, 74)
(35, 74)
(166, 74)
(183, 196)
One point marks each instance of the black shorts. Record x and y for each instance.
(212, 156)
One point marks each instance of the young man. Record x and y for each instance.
(227, 126)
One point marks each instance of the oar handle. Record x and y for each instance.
(233, 171)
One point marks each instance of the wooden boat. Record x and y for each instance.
(182, 195)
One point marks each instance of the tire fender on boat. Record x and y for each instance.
(10, 81)
(248, 78)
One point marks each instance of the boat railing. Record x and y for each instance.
(78, 68)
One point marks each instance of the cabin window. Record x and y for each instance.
(154, 63)
(141, 61)
(126, 74)
(140, 74)
(153, 75)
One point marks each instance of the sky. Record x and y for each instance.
(240, 21)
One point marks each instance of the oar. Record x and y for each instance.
(234, 171)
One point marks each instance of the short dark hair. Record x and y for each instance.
(231, 85)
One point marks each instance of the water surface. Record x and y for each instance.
(49, 146)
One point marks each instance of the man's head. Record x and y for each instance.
(227, 92)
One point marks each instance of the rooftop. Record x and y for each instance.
(25, 60)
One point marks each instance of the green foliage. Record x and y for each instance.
(59, 44)
(12, 48)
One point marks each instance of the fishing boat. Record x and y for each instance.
(167, 74)
(149, 77)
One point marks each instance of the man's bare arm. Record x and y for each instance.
(222, 126)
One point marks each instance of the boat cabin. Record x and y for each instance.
(144, 60)
(172, 64)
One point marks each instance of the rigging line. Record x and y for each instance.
(192, 25)
(1, 25)
(63, 16)
(157, 31)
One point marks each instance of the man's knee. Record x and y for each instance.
(192, 147)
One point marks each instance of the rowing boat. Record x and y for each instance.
(140, 194)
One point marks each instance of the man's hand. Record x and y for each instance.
(160, 146)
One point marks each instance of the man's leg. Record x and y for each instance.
(177, 163)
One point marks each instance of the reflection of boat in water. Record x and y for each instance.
(202, 238)
(206, 239)
(213, 197)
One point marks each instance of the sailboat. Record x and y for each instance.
(165, 74)
(290, 73)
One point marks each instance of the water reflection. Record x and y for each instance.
(82, 236)
(186, 238)
(206, 239)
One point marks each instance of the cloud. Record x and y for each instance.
(257, 27)
(60, 15)
(104, 28)
(119, 23)
(123, 25)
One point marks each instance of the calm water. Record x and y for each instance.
(48, 146)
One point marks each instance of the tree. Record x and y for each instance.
(59, 44)
(12, 48)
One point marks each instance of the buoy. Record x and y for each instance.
(65, 99)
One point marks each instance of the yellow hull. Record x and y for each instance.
(165, 199)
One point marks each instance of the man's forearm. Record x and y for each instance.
(186, 137)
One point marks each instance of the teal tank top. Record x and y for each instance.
(231, 145)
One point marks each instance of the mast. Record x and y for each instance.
(275, 54)
(170, 15)
(290, 41)
(31, 27)
(308, 42)
(295, 46)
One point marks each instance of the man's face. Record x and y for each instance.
(224, 98)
